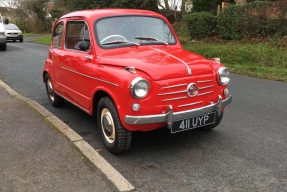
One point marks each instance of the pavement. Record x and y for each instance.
(38, 152)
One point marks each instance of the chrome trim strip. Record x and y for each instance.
(206, 87)
(75, 72)
(171, 93)
(171, 117)
(104, 81)
(189, 72)
(87, 111)
(205, 81)
(190, 104)
(178, 98)
(90, 76)
(205, 93)
(179, 85)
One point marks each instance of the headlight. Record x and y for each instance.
(223, 75)
(139, 88)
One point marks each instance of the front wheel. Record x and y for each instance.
(54, 99)
(115, 137)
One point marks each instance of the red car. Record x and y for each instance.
(128, 68)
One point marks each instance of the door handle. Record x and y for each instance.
(88, 57)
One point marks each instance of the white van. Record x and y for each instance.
(2, 35)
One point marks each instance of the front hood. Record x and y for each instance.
(13, 31)
(160, 64)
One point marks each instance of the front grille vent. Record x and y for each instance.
(177, 93)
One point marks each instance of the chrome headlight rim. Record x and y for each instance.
(134, 84)
(222, 74)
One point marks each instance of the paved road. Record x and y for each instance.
(247, 152)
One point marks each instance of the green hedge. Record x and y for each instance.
(253, 20)
(201, 24)
(203, 5)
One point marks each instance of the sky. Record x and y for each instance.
(2, 3)
(172, 3)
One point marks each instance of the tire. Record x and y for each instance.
(54, 99)
(3, 47)
(217, 121)
(115, 137)
(21, 40)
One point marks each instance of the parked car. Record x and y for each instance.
(13, 32)
(128, 68)
(3, 37)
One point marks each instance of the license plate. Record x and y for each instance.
(194, 122)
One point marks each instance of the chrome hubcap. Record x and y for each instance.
(50, 90)
(108, 127)
(107, 124)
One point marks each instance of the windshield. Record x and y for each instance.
(132, 31)
(11, 27)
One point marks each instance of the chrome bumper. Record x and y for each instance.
(170, 117)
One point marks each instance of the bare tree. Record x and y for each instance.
(166, 5)
(37, 9)
(11, 3)
(183, 6)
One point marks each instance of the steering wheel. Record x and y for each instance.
(110, 36)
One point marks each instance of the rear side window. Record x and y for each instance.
(77, 31)
(58, 35)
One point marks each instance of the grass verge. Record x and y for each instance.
(29, 34)
(46, 40)
(266, 60)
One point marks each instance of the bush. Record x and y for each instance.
(203, 5)
(201, 25)
(253, 20)
(231, 23)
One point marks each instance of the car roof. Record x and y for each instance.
(99, 13)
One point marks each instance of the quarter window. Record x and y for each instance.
(77, 32)
(58, 35)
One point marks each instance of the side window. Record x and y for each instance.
(58, 35)
(77, 32)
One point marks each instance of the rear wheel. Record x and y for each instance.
(217, 121)
(55, 99)
(115, 137)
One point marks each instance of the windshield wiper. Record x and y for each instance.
(119, 42)
(150, 39)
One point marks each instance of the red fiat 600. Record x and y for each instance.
(128, 68)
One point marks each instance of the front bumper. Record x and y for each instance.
(11, 37)
(170, 117)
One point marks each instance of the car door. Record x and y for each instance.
(76, 65)
(55, 55)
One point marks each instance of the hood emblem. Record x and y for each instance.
(192, 89)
